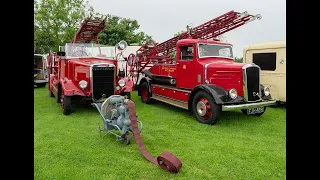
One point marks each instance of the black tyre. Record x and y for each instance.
(145, 94)
(245, 111)
(59, 96)
(50, 93)
(205, 109)
(66, 104)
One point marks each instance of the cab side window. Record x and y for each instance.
(186, 52)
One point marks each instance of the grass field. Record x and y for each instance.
(237, 147)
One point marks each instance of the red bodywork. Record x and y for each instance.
(65, 72)
(220, 71)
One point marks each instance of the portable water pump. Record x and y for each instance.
(118, 113)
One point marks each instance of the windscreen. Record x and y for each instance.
(215, 50)
(77, 50)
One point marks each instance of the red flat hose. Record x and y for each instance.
(166, 160)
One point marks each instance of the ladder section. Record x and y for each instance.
(89, 30)
(207, 30)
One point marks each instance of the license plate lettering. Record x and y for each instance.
(255, 110)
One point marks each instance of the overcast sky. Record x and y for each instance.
(163, 18)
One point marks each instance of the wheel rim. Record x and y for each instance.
(203, 108)
(144, 94)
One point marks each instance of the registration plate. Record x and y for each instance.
(255, 110)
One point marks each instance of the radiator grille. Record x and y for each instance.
(252, 83)
(102, 81)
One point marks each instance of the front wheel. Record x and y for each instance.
(66, 104)
(205, 109)
(253, 112)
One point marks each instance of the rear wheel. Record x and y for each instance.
(66, 104)
(145, 95)
(126, 138)
(205, 109)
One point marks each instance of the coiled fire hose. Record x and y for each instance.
(166, 160)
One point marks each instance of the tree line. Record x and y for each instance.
(56, 21)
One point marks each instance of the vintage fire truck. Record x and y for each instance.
(85, 72)
(204, 78)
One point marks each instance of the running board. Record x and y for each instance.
(171, 101)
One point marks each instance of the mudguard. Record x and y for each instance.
(69, 89)
(129, 85)
(219, 94)
(144, 79)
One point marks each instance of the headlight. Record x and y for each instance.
(233, 93)
(83, 84)
(121, 82)
(266, 91)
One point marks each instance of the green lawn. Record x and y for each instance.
(237, 147)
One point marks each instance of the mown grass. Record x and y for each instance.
(237, 147)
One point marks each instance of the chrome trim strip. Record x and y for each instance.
(172, 88)
(206, 72)
(248, 106)
(245, 88)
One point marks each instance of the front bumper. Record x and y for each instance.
(248, 106)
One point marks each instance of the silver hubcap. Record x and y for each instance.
(201, 108)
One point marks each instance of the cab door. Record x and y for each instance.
(186, 78)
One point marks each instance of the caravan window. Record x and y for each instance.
(266, 61)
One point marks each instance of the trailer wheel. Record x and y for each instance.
(245, 111)
(145, 95)
(66, 104)
(205, 109)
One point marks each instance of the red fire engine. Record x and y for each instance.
(204, 78)
(82, 71)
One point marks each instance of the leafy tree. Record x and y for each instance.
(178, 33)
(240, 60)
(56, 21)
(119, 28)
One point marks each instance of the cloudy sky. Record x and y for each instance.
(163, 18)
